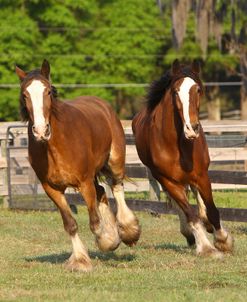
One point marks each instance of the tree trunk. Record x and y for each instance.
(213, 103)
(243, 103)
(213, 107)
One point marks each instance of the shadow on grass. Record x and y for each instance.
(242, 229)
(168, 246)
(62, 257)
(172, 247)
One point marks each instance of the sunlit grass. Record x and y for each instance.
(34, 246)
(222, 198)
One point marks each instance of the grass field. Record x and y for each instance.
(33, 248)
(222, 198)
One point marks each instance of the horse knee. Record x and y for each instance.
(94, 223)
(71, 227)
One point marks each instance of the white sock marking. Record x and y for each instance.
(78, 247)
(124, 214)
(200, 237)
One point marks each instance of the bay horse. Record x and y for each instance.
(70, 144)
(171, 143)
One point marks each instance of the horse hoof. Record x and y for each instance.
(226, 245)
(107, 243)
(78, 265)
(129, 233)
(210, 252)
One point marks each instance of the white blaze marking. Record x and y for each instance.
(36, 90)
(185, 97)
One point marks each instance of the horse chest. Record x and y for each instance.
(61, 171)
(173, 162)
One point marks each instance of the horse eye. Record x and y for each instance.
(49, 92)
(199, 90)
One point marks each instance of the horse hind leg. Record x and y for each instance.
(110, 240)
(185, 228)
(79, 259)
(106, 234)
(128, 224)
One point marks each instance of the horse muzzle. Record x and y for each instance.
(42, 133)
(191, 131)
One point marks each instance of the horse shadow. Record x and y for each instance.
(59, 258)
(242, 229)
(168, 246)
(173, 247)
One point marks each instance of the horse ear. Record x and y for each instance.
(45, 69)
(195, 67)
(175, 66)
(21, 73)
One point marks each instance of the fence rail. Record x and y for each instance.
(18, 180)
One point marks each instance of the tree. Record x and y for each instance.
(89, 41)
(123, 48)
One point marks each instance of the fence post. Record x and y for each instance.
(3, 157)
(154, 189)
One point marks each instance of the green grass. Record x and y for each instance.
(222, 198)
(33, 248)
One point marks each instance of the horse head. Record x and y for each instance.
(36, 99)
(187, 89)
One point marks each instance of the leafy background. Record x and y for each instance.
(107, 41)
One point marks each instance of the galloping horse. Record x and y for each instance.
(170, 141)
(70, 144)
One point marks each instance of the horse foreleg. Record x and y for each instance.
(185, 228)
(79, 260)
(128, 224)
(223, 241)
(102, 221)
(178, 193)
(202, 211)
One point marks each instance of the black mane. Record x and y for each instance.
(159, 87)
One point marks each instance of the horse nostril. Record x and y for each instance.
(47, 129)
(33, 129)
(196, 127)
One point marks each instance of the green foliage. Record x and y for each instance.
(85, 42)
(96, 41)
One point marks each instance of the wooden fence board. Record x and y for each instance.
(235, 152)
(216, 154)
(154, 207)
